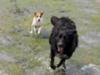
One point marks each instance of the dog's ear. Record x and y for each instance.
(34, 13)
(54, 20)
(42, 13)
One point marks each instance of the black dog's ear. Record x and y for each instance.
(54, 20)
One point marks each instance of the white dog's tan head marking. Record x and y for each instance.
(38, 16)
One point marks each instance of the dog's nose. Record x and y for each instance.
(60, 45)
(38, 20)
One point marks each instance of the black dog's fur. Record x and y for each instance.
(63, 39)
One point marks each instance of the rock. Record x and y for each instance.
(45, 33)
(88, 10)
(91, 38)
(2, 72)
(91, 69)
(16, 29)
(37, 71)
(6, 40)
(7, 57)
(72, 70)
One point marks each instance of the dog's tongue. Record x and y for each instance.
(60, 50)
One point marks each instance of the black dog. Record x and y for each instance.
(63, 39)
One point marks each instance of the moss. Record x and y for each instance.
(15, 69)
(11, 68)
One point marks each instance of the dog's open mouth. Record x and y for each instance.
(60, 50)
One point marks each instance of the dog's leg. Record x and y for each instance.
(39, 30)
(52, 60)
(64, 66)
(61, 62)
(35, 30)
(31, 29)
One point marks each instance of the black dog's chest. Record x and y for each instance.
(61, 55)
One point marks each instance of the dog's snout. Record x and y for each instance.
(60, 45)
(38, 20)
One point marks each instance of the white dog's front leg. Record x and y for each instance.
(39, 30)
(31, 29)
(31, 32)
(35, 30)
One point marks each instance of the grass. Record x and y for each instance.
(28, 47)
(11, 69)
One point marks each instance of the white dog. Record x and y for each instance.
(36, 25)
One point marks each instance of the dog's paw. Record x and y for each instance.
(31, 32)
(53, 67)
